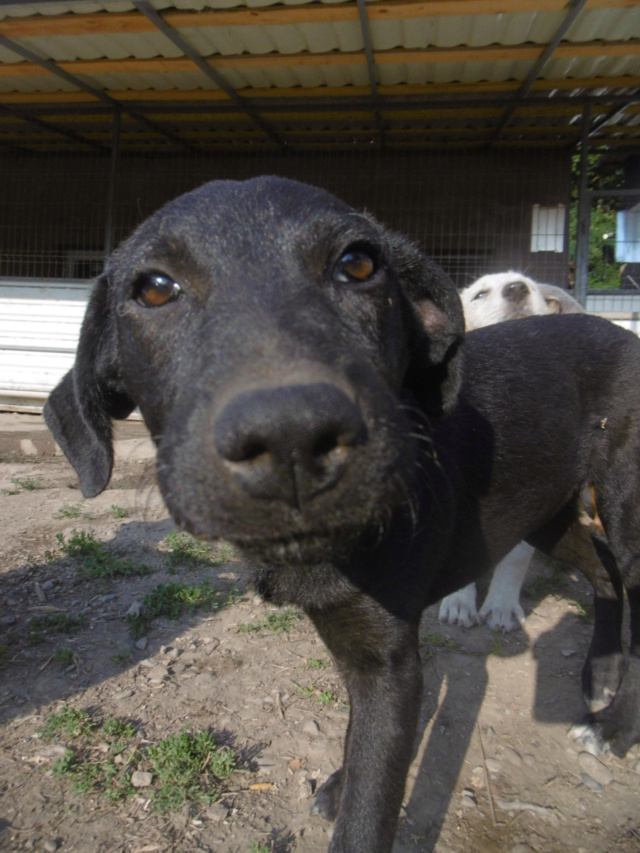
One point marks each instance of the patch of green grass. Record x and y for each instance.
(113, 727)
(325, 697)
(122, 657)
(64, 656)
(52, 623)
(94, 560)
(496, 643)
(172, 599)
(117, 511)
(317, 663)
(67, 722)
(186, 766)
(183, 550)
(29, 484)
(101, 758)
(322, 697)
(430, 643)
(278, 621)
(258, 847)
(68, 511)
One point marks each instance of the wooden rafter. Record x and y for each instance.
(346, 93)
(270, 60)
(134, 22)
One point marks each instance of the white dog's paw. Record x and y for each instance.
(501, 615)
(459, 608)
(587, 737)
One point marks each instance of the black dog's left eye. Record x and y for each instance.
(152, 290)
(480, 295)
(355, 265)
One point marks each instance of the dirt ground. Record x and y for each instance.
(494, 768)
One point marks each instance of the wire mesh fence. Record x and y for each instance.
(474, 212)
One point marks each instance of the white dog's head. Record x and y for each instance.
(510, 296)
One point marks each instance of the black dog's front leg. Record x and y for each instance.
(378, 656)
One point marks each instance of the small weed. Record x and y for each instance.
(104, 770)
(322, 697)
(325, 697)
(280, 620)
(496, 644)
(117, 511)
(182, 549)
(258, 847)
(64, 657)
(583, 610)
(432, 642)
(94, 560)
(53, 623)
(187, 766)
(67, 722)
(169, 600)
(113, 727)
(29, 484)
(68, 511)
(123, 657)
(317, 663)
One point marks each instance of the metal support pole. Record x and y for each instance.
(584, 212)
(111, 190)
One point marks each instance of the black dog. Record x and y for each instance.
(299, 368)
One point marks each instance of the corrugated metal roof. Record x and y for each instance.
(305, 53)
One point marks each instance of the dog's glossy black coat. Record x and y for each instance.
(306, 405)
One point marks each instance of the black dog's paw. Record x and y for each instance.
(601, 677)
(327, 798)
(616, 727)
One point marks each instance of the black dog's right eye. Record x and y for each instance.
(355, 265)
(152, 290)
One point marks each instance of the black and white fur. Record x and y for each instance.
(495, 298)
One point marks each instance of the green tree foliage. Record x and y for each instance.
(604, 272)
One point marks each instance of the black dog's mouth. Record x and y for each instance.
(300, 549)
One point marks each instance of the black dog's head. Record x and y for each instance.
(263, 329)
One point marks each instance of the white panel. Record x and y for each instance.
(547, 228)
(39, 330)
(628, 235)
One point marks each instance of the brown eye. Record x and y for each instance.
(152, 290)
(355, 265)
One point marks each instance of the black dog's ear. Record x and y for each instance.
(435, 324)
(79, 409)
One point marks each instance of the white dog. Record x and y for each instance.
(492, 299)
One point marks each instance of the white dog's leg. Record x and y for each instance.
(459, 608)
(501, 608)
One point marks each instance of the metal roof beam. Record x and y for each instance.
(50, 127)
(575, 7)
(211, 73)
(54, 69)
(371, 66)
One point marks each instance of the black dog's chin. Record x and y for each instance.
(301, 550)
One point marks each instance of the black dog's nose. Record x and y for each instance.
(291, 442)
(515, 291)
